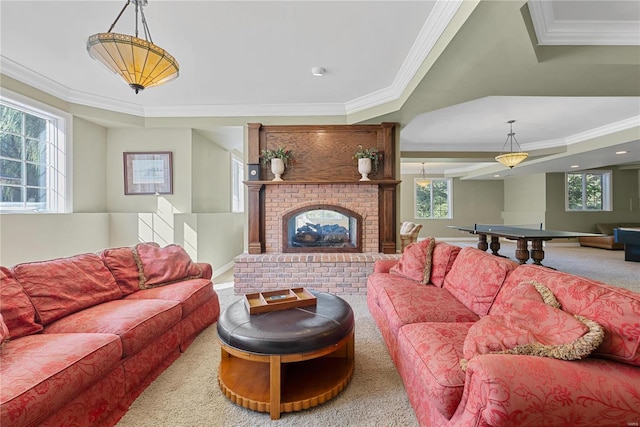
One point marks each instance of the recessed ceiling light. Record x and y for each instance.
(575, 166)
(496, 176)
(318, 71)
(622, 152)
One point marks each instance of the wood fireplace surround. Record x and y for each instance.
(323, 171)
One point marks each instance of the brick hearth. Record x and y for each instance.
(334, 273)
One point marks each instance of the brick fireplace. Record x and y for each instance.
(333, 183)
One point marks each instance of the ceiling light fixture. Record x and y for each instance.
(512, 158)
(139, 62)
(622, 152)
(318, 71)
(423, 181)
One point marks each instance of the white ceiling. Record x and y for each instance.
(254, 58)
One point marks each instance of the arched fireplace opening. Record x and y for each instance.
(322, 228)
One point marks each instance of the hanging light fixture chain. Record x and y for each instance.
(119, 15)
(145, 27)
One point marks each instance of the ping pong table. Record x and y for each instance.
(522, 236)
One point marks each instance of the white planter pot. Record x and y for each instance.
(364, 168)
(277, 168)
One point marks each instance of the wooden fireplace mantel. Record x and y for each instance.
(323, 155)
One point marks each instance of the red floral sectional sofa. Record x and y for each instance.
(83, 336)
(478, 341)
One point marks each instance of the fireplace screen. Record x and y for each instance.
(322, 229)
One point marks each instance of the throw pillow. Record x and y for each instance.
(18, 313)
(162, 266)
(413, 262)
(123, 266)
(535, 326)
(4, 331)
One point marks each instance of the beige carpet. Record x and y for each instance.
(187, 393)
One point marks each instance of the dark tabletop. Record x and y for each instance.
(295, 330)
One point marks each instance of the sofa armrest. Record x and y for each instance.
(384, 265)
(207, 270)
(535, 391)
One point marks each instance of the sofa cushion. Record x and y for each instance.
(191, 294)
(444, 255)
(63, 286)
(17, 310)
(122, 265)
(476, 277)
(404, 304)
(41, 373)
(162, 266)
(434, 351)
(376, 282)
(415, 262)
(136, 322)
(617, 310)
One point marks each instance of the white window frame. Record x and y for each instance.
(449, 182)
(237, 186)
(607, 190)
(59, 171)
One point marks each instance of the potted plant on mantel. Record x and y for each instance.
(279, 158)
(367, 156)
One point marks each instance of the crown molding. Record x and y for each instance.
(552, 31)
(622, 125)
(239, 110)
(438, 20)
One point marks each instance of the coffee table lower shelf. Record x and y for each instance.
(293, 382)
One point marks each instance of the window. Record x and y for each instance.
(32, 159)
(433, 201)
(237, 187)
(588, 191)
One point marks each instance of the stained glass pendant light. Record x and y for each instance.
(423, 181)
(139, 62)
(512, 158)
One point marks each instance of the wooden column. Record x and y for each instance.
(387, 213)
(255, 210)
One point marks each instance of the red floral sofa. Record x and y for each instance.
(83, 336)
(467, 338)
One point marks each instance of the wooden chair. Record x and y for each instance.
(408, 233)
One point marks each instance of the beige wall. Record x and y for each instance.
(211, 167)
(45, 236)
(524, 200)
(625, 203)
(120, 140)
(89, 172)
(104, 217)
(474, 201)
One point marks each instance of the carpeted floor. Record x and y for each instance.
(187, 393)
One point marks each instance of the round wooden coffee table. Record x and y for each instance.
(289, 360)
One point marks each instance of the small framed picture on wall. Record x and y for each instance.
(148, 173)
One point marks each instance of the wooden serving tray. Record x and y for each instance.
(262, 302)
